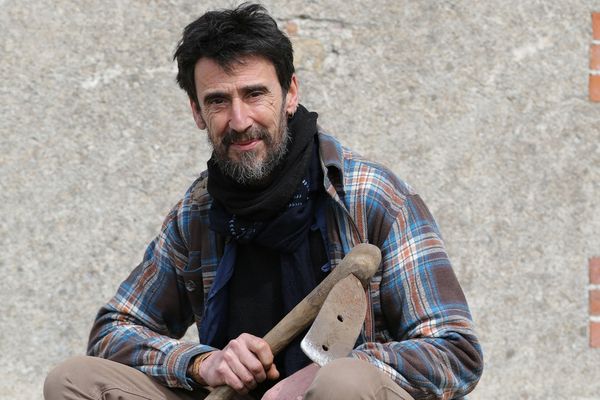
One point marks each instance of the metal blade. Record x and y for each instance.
(338, 324)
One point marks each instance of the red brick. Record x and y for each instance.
(595, 88)
(595, 302)
(596, 25)
(595, 57)
(595, 334)
(594, 266)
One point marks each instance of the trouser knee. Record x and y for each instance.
(66, 377)
(93, 378)
(353, 379)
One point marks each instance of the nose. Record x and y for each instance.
(239, 120)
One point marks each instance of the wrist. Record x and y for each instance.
(194, 368)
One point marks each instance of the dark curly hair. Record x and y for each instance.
(226, 36)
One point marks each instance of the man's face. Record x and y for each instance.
(244, 111)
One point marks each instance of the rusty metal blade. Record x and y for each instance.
(338, 324)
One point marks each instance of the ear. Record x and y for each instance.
(291, 98)
(197, 115)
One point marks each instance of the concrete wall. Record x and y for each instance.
(481, 106)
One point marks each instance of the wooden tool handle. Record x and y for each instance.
(362, 261)
(221, 393)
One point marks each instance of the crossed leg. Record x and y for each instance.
(353, 379)
(93, 378)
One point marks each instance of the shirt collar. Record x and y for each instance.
(332, 159)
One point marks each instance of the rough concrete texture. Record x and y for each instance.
(481, 106)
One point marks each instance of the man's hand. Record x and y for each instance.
(294, 386)
(242, 364)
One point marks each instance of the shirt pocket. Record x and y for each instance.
(193, 282)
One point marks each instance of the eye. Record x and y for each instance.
(215, 101)
(256, 94)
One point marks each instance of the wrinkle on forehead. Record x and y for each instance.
(245, 72)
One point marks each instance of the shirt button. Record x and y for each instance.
(190, 286)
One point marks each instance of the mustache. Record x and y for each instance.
(254, 133)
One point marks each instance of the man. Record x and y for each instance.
(280, 205)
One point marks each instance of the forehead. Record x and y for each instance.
(247, 71)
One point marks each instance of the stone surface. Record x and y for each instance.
(481, 106)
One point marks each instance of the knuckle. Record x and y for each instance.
(262, 346)
(221, 369)
(256, 368)
(244, 337)
(228, 357)
(248, 381)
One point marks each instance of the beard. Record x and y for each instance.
(251, 168)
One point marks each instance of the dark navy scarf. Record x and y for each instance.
(286, 231)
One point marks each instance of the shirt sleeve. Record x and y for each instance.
(142, 324)
(434, 353)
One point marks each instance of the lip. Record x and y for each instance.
(246, 145)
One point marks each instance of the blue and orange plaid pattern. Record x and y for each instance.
(419, 329)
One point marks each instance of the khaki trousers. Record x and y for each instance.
(93, 378)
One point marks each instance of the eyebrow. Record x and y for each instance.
(252, 88)
(245, 89)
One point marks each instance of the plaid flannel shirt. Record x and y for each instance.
(418, 328)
